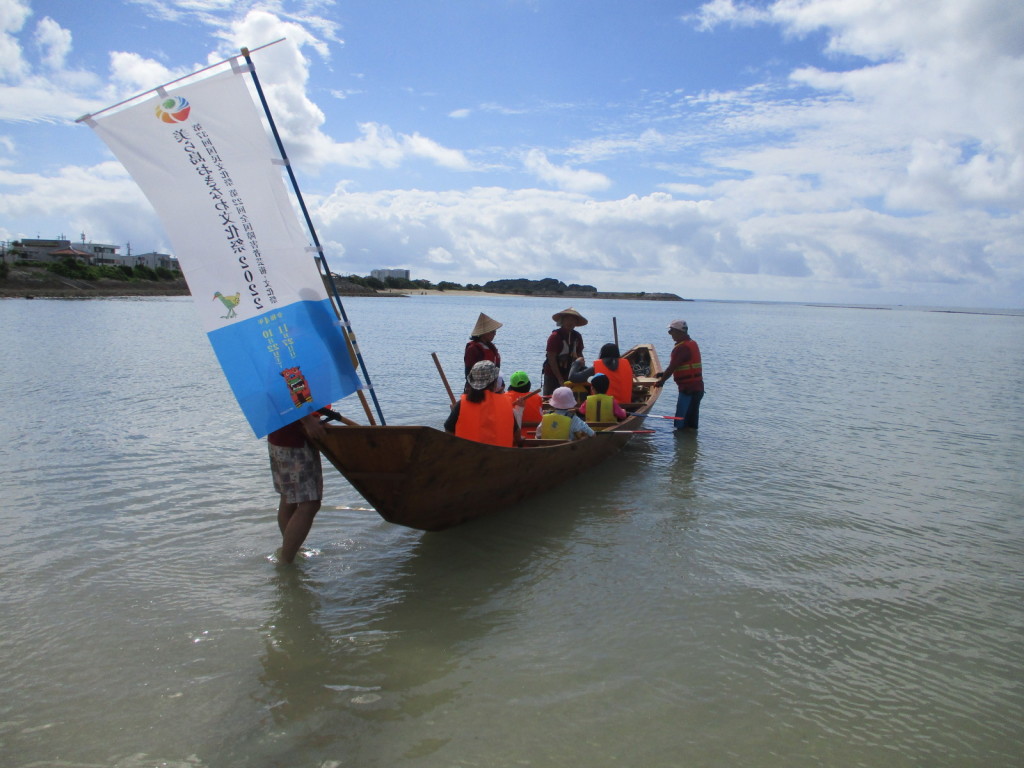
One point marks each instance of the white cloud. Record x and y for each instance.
(718, 12)
(13, 15)
(132, 73)
(54, 41)
(101, 200)
(656, 240)
(564, 177)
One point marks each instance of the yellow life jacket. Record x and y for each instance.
(555, 426)
(600, 409)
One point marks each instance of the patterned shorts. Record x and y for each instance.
(297, 473)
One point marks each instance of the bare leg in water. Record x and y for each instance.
(295, 521)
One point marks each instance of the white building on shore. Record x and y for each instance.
(43, 251)
(384, 274)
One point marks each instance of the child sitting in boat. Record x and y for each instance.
(482, 414)
(600, 407)
(525, 405)
(562, 423)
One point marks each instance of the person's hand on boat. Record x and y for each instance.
(312, 426)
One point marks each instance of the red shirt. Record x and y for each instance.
(565, 348)
(290, 436)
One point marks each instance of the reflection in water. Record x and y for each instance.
(355, 655)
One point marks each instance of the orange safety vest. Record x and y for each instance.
(488, 422)
(691, 373)
(531, 406)
(620, 381)
(600, 408)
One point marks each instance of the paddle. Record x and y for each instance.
(527, 394)
(444, 378)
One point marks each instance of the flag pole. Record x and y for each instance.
(346, 326)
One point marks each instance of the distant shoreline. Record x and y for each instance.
(52, 286)
(637, 296)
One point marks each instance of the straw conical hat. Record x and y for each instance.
(484, 324)
(580, 319)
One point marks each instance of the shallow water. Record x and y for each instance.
(828, 574)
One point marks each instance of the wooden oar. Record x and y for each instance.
(444, 378)
(652, 416)
(527, 394)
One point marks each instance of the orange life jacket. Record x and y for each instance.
(690, 374)
(490, 421)
(620, 381)
(531, 406)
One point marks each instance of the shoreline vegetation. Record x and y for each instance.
(73, 280)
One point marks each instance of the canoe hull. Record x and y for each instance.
(428, 479)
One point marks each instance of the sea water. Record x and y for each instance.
(828, 574)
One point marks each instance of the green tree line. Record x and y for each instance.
(548, 285)
(77, 270)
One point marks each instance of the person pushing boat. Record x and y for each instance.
(298, 479)
(685, 367)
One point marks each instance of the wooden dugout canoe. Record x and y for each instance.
(428, 479)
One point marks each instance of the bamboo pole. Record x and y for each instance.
(346, 327)
(440, 370)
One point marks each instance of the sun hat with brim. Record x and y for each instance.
(482, 374)
(563, 399)
(519, 379)
(484, 324)
(580, 319)
(678, 325)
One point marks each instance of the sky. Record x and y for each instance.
(843, 151)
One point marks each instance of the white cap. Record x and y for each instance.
(678, 325)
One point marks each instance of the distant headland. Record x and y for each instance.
(353, 285)
(76, 280)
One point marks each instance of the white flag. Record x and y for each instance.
(201, 155)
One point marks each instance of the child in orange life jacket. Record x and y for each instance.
(482, 414)
(563, 424)
(601, 407)
(526, 409)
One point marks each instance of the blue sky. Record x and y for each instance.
(863, 151)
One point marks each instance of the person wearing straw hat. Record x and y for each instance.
(481, 414)
(481, 343)
(565, 344)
